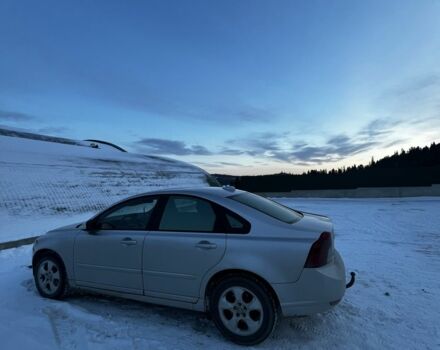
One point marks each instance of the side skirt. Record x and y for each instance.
(199, 306)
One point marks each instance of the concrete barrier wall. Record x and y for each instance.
(362, 192)
(17, 243)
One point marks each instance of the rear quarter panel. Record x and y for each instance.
(277, 259)
(274, 250)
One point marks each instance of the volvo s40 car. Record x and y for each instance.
(243, 258)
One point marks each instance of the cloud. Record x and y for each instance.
(231, 151)
(335, 149)
(394, 143)
(253, 114)
(379, 127)
(280, 147)
(414, 85)
(208, 165)
(53, 130)
(412, 98)
(170, 147)
(237, 114)
(341, 146)
(230, 164)
(138, 96)
(426, 121)
(180, 148)
(259, 143)
(15, 116)
(152, 98)
(219, 164)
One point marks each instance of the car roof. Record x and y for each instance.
(224, 191)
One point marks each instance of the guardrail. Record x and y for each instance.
(17, 243)
(362, 192)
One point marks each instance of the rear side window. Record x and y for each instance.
(268, 207)
(236, 224)
(191, 214)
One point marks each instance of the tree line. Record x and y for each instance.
(418, 166)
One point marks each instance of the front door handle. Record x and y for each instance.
(206, 245)
(128, 241)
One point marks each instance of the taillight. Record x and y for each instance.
(319, 252)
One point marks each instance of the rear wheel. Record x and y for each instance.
(243, 310)
(50, 277)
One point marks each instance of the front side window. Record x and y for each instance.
(133, 215)
(183, 213)
(268, 207)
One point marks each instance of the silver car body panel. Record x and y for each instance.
(173, 259)
(170, 268)
(109, 259)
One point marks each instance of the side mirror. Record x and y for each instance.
(92, 225)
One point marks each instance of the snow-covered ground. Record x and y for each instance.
(392, 244)
(43, 182)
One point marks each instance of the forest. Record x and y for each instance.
(418, 166)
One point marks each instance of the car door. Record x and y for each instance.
(186, 242)
(110, 255)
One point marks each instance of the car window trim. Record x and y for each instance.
(246, 224)
(221, 225)
(124, 203)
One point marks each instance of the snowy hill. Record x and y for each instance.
(41, 176)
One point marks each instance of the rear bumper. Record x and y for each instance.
(317, 290)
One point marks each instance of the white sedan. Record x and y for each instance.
(243, 258)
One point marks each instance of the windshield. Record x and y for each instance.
(268, 207)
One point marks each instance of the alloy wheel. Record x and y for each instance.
(49, 276)
(240, 310)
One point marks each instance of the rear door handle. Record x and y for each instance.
(128, 241)
(206, 245)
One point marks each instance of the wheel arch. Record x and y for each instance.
(223, 274)
(42, 252)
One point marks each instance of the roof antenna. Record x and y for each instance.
(228, 188)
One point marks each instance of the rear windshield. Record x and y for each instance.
(268, 207)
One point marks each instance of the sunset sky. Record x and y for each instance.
(236, 87)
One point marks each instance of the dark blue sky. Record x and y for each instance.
(234, 86)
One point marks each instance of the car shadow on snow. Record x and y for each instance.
(124, 319)
(130, 314)
(132, 310)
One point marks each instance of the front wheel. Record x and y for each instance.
(50, 277)
(243, 310)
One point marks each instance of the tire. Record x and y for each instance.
(50, 277)
(243, 310)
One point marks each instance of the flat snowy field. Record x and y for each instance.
(392, 244)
